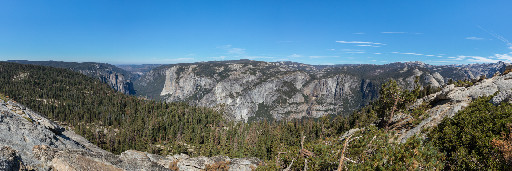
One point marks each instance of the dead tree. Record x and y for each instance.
(342, 159)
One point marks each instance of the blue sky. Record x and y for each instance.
(312, 32)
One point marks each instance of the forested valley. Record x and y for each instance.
(476, 138)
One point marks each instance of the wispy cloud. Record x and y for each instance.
(504, 57)
(367, 45)
(377, 53)
(474, 38)
(479, 59)
(499, 37)
(410, 53)
(393, 32)
(232, 50)
(359, 42)
(358, 33)
(295, 56)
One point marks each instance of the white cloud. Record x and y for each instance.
(367, 46)
(391, 32)
(479, 59)
(409, 53)
(356, 52)
(429, 55)
(504, 57)
(458, 58)
(474, 38)
(295, 56)
(358, 33)
(359, 42)
(356, 42)
(377, 53)
(236, 51)
(232, 50)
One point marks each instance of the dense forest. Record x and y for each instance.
(476, 138)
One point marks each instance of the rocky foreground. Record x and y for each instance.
(29, 141)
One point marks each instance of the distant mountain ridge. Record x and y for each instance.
(115, 77)
(254, 90)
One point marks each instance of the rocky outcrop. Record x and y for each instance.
(451, 99)
(252, 90)
(29, 141)
(502, 96)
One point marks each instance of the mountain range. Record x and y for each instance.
(255, 90)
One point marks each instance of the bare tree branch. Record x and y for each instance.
(342, 159)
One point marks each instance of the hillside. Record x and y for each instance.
(29, 141)
(117, 78)
(254, 90)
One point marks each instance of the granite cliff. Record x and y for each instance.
(253, 90)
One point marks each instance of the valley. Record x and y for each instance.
(403, 118)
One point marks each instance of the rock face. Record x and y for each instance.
(115, 77)
(29, 141)
(502, 96)
(252, 90)
(451, 99)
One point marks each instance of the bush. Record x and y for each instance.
(467, 137)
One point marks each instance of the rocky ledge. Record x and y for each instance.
(29, 141)
(451, 100)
